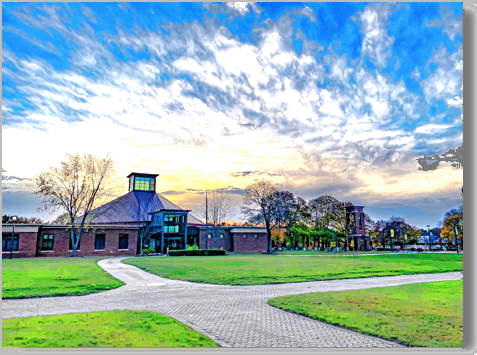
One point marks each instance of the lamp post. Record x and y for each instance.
(14, 219)
(391, 234)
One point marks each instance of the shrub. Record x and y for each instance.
(148, 251)
(198, 252)
(192, 247)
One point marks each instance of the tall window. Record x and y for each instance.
(244, 236)
(144, 183)
(9, 243)
(123, 241)
(99, 241)
(255, 236)
(70, 245)
(47, 241)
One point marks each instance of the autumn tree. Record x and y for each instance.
(75, 187)
(257, 201)
(452, 228)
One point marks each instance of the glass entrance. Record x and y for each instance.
(174, 243)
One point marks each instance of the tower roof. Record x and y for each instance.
(142, 174)
(135, 206)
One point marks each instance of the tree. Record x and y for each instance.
(61, 219)
(284, 209)
(452, 229)
(218, 206)
(75, 187)
(23, 220)
(324, 210)
(258, 202)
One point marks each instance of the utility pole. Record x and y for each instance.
(206, 221)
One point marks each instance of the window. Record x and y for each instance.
(172, 218)
(99, 241)
(9, 242)
(221, 236)
(171, 229)
(70, 247)
(47, 242)
(255, 236)
(144, 184)
(244, 236)
(123, 241)
(209, 236)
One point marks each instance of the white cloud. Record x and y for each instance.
(432, 128)
(240, 6)
(264, 96)
(376, 42)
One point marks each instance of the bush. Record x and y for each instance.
(147, 251)
(198, 252)
(192, 247)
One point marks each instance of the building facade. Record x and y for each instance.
(121, 226)
(356, 226)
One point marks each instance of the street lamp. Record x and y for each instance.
(391, 233)
(14, 219)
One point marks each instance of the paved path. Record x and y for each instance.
(236, 316)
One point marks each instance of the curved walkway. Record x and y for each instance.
(236, 316)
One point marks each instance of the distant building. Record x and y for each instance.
(116, 228)
(356, 226)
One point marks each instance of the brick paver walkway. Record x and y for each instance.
(236, 316)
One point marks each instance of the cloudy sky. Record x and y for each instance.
(333, 99)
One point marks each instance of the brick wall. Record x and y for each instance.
(250, 244)
(61, 242)
(26, 245)
(215, 242)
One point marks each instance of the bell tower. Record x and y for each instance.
(356, 227)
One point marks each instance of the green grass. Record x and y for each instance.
(314, 252)
(266, 269)
(424, 315)
(35, 277)
(102, 329)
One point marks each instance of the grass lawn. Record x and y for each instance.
(266, 269)
(102, 329)
(314, 252)
(35, 277)
(424, 315)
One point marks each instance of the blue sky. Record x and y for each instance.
(336, 98)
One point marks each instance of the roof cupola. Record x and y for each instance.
(142, 182)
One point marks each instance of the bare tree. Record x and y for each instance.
(258, 202)
(219, 206)
(75, 187)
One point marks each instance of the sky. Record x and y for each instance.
(319, 98)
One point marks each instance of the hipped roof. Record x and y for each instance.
(135, 206)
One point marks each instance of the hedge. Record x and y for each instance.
(199, 252)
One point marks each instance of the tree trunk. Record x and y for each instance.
(74, 245)
(269, 235)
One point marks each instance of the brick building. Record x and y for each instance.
(117, 228)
